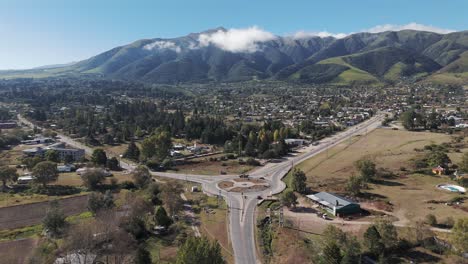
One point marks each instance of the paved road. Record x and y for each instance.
(242, 206)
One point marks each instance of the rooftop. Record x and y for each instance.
(330, 199)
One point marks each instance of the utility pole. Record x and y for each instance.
(219, 198)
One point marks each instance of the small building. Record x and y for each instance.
(439, 170)
(65, 168)
(7, 124)
(335, 204)
(63, 152)
(295, 142)
(25, 179)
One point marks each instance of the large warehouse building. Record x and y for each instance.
(335, 204)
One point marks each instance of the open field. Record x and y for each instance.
(204, 166)
(31, 214)
(17, 251)
(390, 149)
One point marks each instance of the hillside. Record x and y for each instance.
(358, 59)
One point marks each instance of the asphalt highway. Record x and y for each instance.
(242, 206)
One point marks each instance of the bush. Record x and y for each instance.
(252, 162)
(431, 220)
(128, 185)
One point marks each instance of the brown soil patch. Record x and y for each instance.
(32, 214)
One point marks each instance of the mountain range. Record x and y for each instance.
(358, 59)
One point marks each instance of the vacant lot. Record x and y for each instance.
(17, 251)
(31, 214)
(391, 149)
(205, 166)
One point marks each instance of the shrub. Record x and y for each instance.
(252, 162)
(431, 220)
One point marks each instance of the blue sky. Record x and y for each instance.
(35, 33)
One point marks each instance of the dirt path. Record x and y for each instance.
(32, 214)
(190, 216)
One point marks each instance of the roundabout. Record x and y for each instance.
(242, 185)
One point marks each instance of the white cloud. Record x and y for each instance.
(162, 45)
(377, 29)
(322, 34)
(236, 40)
(413, 26)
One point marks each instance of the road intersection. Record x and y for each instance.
(242, 206)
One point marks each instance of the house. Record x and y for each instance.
(25, 179)
(7, 124)
(81, 171)
(65, 168)
(335, 204)
(37, 140)
(295, 142)
(63, 152)
(438, 170)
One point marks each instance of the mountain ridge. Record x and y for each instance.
(361, 59)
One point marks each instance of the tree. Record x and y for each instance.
(289, 199)
(142, 256)
(7, 174)
(437, 157)
(52, 155)
(54, 220)
(141, 176)
(349, 245)
(148, 148)
(332, 253)
(161, 218)
(153, 193)
(98, 202)
(170, 195)
(99, 157)
(132, 152)
(459, 236)
(388, 234)
(199, 250)
(92, 178)
(113, 164)
(45, 172)
(354, 185)
(372, 241)
(298, 181)
(163, 144)
(367, 169)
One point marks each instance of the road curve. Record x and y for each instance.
(242, 206)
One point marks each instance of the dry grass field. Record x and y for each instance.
(392, 150)
(204, 166)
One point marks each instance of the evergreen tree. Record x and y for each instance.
(132, 152)
(372, 240)
(99, 157)
(161, 218)
(54, 219)
(298, 181)
(142, 256)
(331, 253)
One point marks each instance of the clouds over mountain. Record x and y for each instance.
(162, 45)
(410, 26)
(236, 40)
(302, 34)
